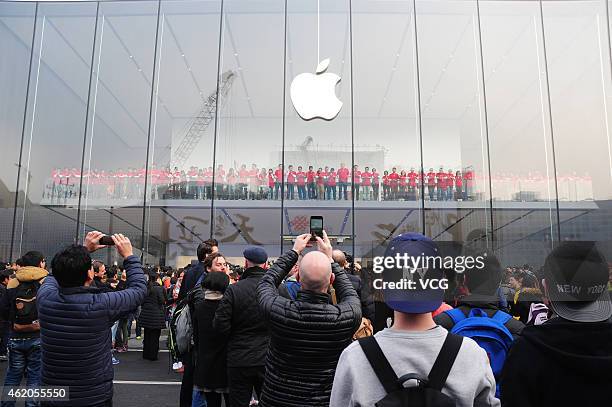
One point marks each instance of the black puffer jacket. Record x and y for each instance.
(238, 316)
(152, 309)
(307, 337)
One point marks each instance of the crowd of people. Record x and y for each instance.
(301, 183)
(309, 329)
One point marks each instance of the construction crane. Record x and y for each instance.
(201, 120)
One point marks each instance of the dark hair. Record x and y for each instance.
(32, 258)
(70, 266)
(96, 265)
(209, 260)
(212, 242)
(486, 280)
(204, 249)
(216, 282)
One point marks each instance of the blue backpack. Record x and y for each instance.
(490, 333)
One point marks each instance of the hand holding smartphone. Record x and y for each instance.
(316, 227)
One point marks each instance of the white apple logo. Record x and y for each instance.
(314, 96)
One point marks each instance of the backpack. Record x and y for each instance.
(180, 335)
(25, 314)
(490, 333)
(428, 392)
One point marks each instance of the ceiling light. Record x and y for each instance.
(235, 54)
(132, 56)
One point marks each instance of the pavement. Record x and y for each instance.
(141, 383)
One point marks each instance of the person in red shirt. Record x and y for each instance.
(394, 183)
(312, 186)
(366, 184)
(403, 185)
(253, 181)
(356, 181)
(278, 181)
(459, 185)
(291, 180)
(431, 184)
(441, 184)
(208, 180)
(331, 184)
(243, 180)
(343, 176)
(271, 183)
(468, 178)
(375, 184)
(301, 183)
(220, 182)
(231, 181)
(450, 182)
(321, 184)
(412, 184)
(386, 183)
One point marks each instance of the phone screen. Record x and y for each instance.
(316, 226)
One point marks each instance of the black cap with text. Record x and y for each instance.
(576, 276)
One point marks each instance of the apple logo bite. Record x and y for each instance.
(314, 95)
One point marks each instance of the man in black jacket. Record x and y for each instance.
(482, 284)
(238, 316)
(308, 334)
(567, 361)
(367, 303)
(194, 274)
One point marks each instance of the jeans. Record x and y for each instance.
(342, 190)
(277, 187)
(290, 189)
(312, 191)
(198, 399)
(331, 192)
(114, 332)
(122, 335)
(301, 192)
(24, 356)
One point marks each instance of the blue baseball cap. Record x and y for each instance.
(421, 297)
(255, 254)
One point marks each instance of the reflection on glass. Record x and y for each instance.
(16, 27)
(52, 143)
(117, 133)
(454, 132)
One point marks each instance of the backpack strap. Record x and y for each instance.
(456, 315)
(383, 370)
(444, 362)
(501, 317)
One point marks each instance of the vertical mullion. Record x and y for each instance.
(486, 123)
(91, 69)
(352, 126)
(214, 163)
(152, 96)
(550, 118)
(419, 120)
(282, 211)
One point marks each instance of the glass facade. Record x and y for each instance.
(478, 123)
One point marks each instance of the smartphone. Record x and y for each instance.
(107, 240)
(316, 226)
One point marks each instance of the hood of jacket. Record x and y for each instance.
(28, 273)
(583, 347)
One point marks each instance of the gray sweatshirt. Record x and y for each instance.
(470, 382)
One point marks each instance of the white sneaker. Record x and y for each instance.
(175, 366)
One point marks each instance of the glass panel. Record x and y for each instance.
(53, 142)
(119, 112)
(386, 122)
(579, 70)
(523, 183)
(453, 122)
(16, 27)
(249, 133)
(325, 145)
(183, 124)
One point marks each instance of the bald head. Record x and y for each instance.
(339, 257)
(315, 272)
